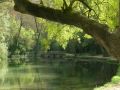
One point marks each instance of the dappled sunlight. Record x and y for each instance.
(59, 44)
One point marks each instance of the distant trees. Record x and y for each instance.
(110, 41)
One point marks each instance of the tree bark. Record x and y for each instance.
(110, 41)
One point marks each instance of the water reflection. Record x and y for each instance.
(59, 75)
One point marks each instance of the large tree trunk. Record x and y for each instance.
(110, 41)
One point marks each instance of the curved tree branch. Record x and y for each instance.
(97, 30)
(24, 6)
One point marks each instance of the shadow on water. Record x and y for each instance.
(58, 75)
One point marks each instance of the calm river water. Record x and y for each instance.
(57, 75)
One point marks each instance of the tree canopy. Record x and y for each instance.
(96, 17)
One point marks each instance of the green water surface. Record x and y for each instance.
(59, 75)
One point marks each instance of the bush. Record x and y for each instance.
(116, 79)
(3, 60)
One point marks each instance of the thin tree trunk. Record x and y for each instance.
(37, 37)
(16, 39)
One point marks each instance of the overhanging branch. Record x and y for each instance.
(91, 27)
(97, 30)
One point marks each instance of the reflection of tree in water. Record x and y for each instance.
(58, 75)
(83, 75)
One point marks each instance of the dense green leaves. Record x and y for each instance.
(105, 11)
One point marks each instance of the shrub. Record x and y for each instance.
(3, 60)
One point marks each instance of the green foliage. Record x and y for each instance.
(55, 46)
(87, 36)
(3, 60)
(60, 33)
(58, 3)
(104, 11)
(107, 11)
(55, 31)
(3, 51)
(4, 35)
(44, 43)
(116, 80)
(26, 40)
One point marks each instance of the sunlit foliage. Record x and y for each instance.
(104, 11)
